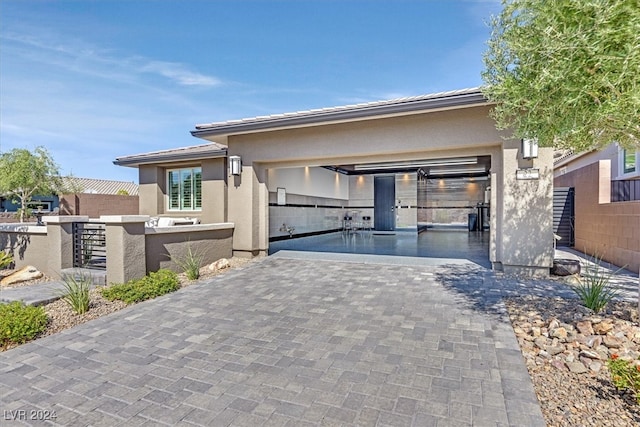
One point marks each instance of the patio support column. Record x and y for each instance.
(249, 211)
(60, 236)
(126, 247)
(525, 212)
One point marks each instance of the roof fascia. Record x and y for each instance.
(166, 158)
(410, 107)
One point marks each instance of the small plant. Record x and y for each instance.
(20, 323)
(625, 375)
(190, 263)
(76, 291)
(155, 284)
(5, 259)
(594, 288)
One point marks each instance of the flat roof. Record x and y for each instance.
(409, 105)
(194, 152)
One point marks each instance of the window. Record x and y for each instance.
(628, 161)
(184, 188)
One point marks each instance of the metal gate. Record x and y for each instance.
(564, 215)
(89, 245)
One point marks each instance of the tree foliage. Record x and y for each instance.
(24, 174)
(566, 72)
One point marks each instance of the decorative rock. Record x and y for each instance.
(595, 366)
(601, 328)
(590, 354)
(540, 342)
(594, 341)
(559, 364)
(585, 327)
(611, 342)
(220, 264)
(559, 332)
(577, 367)
(25, 273)
(553, 350)
(565, 267)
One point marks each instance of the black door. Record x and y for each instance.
(384, 197)
(563, 215)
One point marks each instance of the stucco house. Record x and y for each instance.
(385, 159)
(606, 188)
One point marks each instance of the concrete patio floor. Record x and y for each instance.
(433, 243)
(290, 340)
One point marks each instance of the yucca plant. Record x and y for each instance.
(594, 288)
(190, 263)
(76, 291)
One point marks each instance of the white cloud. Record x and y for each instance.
(80, 57)
(180, 74)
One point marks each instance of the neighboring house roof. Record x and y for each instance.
(408, 105)
(194, 152)
(559, 156)
(100, 186)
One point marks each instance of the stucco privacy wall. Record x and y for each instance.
(166, 246)
(464, 131)
(609, 230)
(28, 244)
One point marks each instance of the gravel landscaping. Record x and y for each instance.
(565, 347)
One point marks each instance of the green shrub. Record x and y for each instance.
(20, 323)
(625, 375)
(155, 284)
(76, 291)
(5, 259)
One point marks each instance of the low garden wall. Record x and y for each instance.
(165, 245)
(27, 243)
(132, 249)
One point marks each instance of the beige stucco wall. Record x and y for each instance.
(523, 211)
(28, 244)
(153, 190)
(609, 230)
(165, 246)
(125, 246)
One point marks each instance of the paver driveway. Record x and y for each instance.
(282, 342)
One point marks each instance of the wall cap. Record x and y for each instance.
(23, 228)
(123, 219)
(64, 219)
(189, 228)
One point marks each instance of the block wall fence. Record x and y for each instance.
(610, 230)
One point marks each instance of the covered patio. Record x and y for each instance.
(438, 243)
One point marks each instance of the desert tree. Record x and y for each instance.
(24, 174)
(566, 73)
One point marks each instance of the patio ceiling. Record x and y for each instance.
(453, 167)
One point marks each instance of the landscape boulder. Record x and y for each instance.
(25, 273)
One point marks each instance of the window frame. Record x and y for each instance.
(623, 171)
(193, 193)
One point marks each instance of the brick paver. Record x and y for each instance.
(285, 342)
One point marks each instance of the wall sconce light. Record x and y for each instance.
(235, 165)
(529, 148)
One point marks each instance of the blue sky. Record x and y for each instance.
(94, 80)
